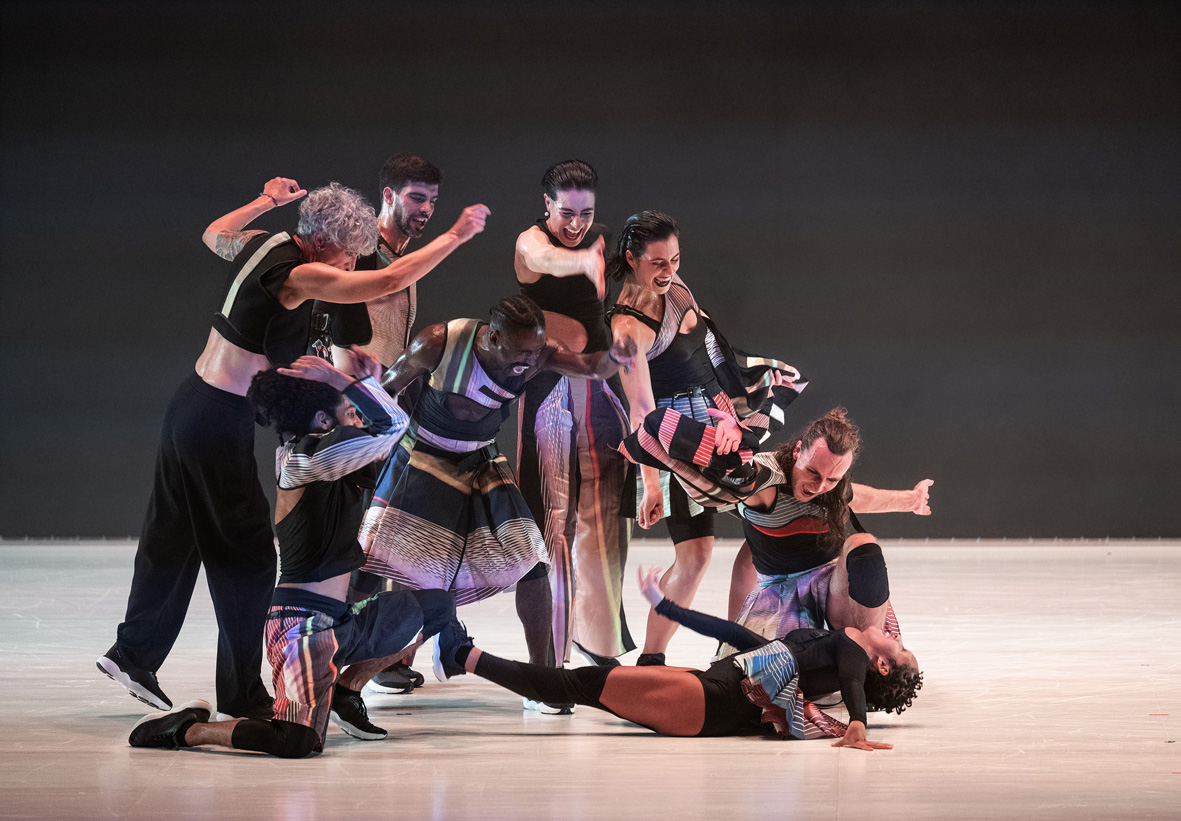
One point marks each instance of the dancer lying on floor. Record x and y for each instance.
(325, 460)
(761, 684)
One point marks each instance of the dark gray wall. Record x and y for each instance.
(964, 223)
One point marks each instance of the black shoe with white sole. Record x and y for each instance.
(350, 715)
(450, 640)
(140, 683)
(397, 678)
(167, 730)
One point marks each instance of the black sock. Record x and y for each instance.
(551, 685)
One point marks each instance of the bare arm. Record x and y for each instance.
(225, 236)
(421, 356)
(599, 365)
(536, 255)
(868, 499)
(637, 386)
(315, 280)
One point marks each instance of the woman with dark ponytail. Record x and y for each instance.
(687, 366)
(570, 428)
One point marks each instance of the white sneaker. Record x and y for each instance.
(548, 709)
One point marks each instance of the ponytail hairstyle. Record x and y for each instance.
(640, 231)
(842, 437)
(569, 175)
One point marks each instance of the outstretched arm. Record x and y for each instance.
(598, 365)
(225, 236)
(868, 499)
(315, 280)
(711, 626)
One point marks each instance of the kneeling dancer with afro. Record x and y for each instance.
(325, 461)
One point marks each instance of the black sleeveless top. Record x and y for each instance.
(573, 296)
(251, 315)
(683, 365)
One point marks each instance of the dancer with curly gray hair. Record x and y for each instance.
(207, 506)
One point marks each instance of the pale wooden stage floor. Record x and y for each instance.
(1053, 690)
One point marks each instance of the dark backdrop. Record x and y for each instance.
(962, 221)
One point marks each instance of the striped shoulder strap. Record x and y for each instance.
(678, 301)
(455, 366)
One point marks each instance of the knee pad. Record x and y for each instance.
(869, 584)
(284, 739)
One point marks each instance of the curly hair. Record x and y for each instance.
(639, 231)
(842, 437)
(289, 404)
(341, 216)
(894, 692)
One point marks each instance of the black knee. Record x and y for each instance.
(539, 571)
(687, 528)
(869, 584)
(438, 609)
(284, 739)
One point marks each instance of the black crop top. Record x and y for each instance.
(827, 661)
(251, 315)
(573, 296)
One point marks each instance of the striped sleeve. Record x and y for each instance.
(344, 449)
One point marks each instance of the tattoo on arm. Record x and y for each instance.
(230, 243)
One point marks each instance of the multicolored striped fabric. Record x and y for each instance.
(572, 477)
(432, 524)
(780, 604)
(301, 650)
(771, 681)
(716, 482)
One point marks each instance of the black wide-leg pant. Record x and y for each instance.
(207, 507)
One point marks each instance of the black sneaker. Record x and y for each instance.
(350, 715)
(545, 708)
(650, 660)
(397, 678)
(140, 683)
(447, 643)
(167, 730)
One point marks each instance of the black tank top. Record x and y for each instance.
(683, 365)
(251, 315)
(574, 296)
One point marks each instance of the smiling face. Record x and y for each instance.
(570, 215)
(412, 206)
(817, 470)
(654, 268)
